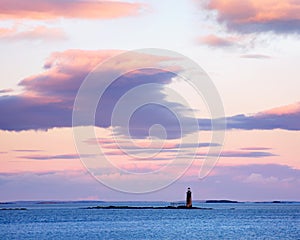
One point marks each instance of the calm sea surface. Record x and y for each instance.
(225, 221)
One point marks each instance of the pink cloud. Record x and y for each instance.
(258, 16)
(47, 9)
(36, 33)
(74, 58)
(287, 109)
(216, 41)
(64, 74)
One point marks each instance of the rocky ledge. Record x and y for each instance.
(146, 207)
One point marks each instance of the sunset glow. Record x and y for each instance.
(250, 50)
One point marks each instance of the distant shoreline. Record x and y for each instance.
(225, 201)
(221, 201)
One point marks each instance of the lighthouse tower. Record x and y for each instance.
(189, 198)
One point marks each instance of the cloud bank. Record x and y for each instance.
(248, 182)
(48, 97)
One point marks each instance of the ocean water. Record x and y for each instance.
(224, 221)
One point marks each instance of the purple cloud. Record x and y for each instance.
(55, 157)
(51, 157)
(286, 117)
(288, 121)
(277, 26)
(7, 90)
(26, 113)
(26, 150)
(242, 154)
(251, 154)
(256, 148)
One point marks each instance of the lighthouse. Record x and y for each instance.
(189, 198)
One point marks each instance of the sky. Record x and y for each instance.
(248, 49)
